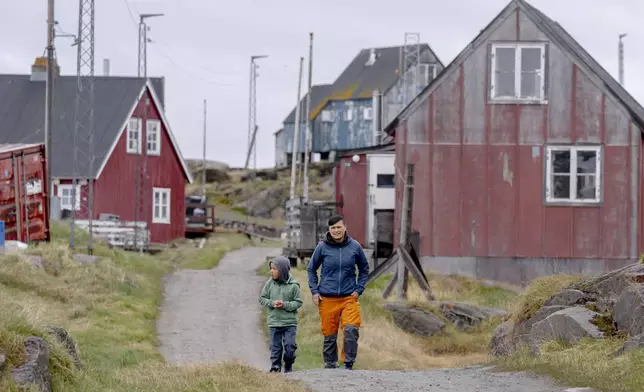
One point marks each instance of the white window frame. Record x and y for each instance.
(69, 187)
(367, 113)
(348, 113)
(153, 128)
(573, 174)
(327, 115)
(158, 218)
(131, 143)
(517, 73)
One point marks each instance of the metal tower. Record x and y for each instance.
(83, 166)
(252, 112)
(410, 71)
(142, 196)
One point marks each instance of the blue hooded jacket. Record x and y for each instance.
(338, 261)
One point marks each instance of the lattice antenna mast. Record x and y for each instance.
(142, 196)
(411, 70)
(83, 159)
(252, 112)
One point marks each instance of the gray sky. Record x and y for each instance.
(202, 47)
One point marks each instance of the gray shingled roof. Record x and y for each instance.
(359, 80)
(22, 114)
(318, 94)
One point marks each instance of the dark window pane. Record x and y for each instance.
(587, 162)
(561, 162)
(561, 187)
(385, 181)
(586, 187)
(505, 72)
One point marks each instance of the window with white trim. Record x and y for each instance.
(160, 205)
(518, 72)
(573, 174)
(64, 192)
(348, 113)
(328, 115)
(367, 113)
(153, 136)
(134, 136)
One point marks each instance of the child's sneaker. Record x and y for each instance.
(348, 366)
(288, 367)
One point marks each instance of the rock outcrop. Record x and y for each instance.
(466, 316)
(249, 227)
(417, 321)
(611, 304)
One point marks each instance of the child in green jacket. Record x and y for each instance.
(281, 295)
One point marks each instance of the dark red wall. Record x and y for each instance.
(351, 189)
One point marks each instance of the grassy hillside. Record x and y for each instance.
(238, 197)
(110, 310)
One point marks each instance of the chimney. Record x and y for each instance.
(39, 69)
(106, 67)
(372, 57)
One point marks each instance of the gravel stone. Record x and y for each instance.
(211, 316)
(472, 379)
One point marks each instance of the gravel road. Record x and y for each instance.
(211, 316)
(473, 379)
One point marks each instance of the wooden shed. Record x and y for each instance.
(527, 157)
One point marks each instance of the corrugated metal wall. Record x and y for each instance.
(340, 134)
(479, 186)
(351, 189)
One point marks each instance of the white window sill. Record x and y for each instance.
(161, 221)
(517, 101)
(572, 203)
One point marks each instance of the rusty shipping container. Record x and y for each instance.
(24, 202)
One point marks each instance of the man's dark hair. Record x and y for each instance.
(335, 219)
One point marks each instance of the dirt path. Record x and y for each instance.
(211, 316)
(474, 379)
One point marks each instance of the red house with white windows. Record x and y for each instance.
(118, 122)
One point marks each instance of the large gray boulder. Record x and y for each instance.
(419, 322)
(465, 316)
(35, 371)
(628, 312)
(569, 325)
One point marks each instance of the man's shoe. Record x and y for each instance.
(288, 367)
(348, 366)
(330, 366)
(275, 369)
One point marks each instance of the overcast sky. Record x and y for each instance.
(203, 49)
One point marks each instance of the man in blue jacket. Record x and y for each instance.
(336, 294)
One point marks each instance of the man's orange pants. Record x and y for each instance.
(336, 312)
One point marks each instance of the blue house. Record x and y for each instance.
(342, 114)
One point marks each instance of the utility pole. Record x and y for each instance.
(296, 132)
(141, 190)
(203, 166)
(252, 112)
(620, 54)
(308, 121)
(83, 156)
(49, 103)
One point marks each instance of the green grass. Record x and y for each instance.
(385, 346)
(110, 309)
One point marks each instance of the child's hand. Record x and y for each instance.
(278, 304)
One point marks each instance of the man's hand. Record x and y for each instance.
(316, 299)
(355, 295)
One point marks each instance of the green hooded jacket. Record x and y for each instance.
(287, 289)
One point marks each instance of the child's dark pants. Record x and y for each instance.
(283, 340)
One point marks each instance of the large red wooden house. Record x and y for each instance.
(527, 157)
(119, 107)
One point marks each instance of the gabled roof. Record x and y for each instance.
(22, 115)
(318, 94)
(557, 35)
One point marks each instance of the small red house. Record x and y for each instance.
(364, 185)
(527, 157)
(119, 107)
